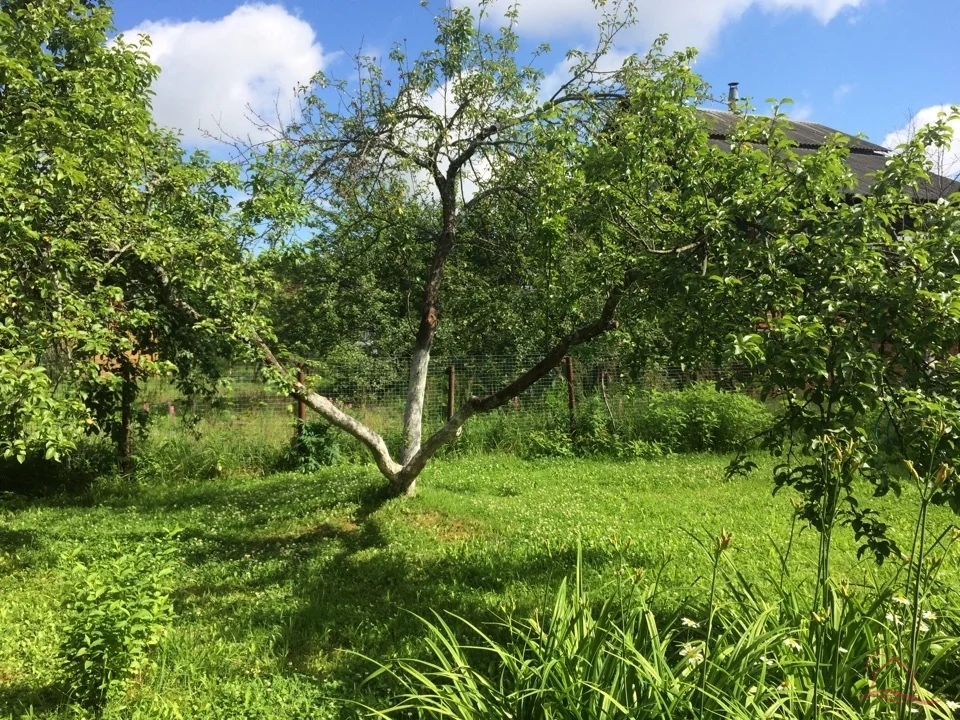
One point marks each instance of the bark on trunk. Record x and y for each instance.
(427, 330)
(413, 410)
(124, 433)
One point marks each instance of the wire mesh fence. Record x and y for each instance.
(373, 389)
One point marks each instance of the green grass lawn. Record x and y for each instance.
(284, 577)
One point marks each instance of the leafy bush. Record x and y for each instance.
(315, 445)
(549, 443)
(697, 419)
(117, 612)
(76, 469)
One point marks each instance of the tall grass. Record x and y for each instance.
(622, 656)
(216, 446)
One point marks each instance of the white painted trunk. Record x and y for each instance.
(413, 411)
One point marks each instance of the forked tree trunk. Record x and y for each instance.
(402, 476)
(426, 331)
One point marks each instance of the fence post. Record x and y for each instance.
(301, 405)
(571, 395)
(451, 390)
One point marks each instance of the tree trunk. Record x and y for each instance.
(124, 433)
(427, 330)
(413, 411)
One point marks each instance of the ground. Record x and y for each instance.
(286, 581)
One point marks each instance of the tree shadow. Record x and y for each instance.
(13, 540)
(19, 699)
(13, 543)
(363, 609)
(357, 591)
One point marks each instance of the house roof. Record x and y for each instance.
(865, 158)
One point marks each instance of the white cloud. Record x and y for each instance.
(688, 22)
(841, 92)
(212, 71)
(800, 113)
(946, 161)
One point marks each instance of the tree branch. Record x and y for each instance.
(477, 405)
(335, 416)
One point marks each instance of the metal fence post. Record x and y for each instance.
(571, 394)
(451, 390)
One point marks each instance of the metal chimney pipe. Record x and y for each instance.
(733, 96)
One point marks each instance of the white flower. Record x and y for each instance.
(923, 626)
(929, 615)
(953, 705)
(895, 619)
(690, 623)
(792, 644)
(692, 654)
(843, 650)
(900, 599)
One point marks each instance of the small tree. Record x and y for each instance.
(116, 257)
(423, 162)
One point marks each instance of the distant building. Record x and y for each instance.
(865, 159)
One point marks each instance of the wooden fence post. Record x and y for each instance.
(451, 391)
(301, 405)
(571, 394)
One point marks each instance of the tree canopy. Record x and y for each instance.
(453, 200)
(109, 234)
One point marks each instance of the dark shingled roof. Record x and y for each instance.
(865, 158)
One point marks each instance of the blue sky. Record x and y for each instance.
(857, 65)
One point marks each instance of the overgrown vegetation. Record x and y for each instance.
(123, 259)
(116, 613)
(623, 657)
(283, 577)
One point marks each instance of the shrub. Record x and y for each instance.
(37, 475)
(697, 419)
(316, 445)
(549, 443)
(117, 613)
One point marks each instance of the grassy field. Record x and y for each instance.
(283, 578)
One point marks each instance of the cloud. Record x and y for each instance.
(946, 161)
(800, 113)
(212, 71)
(841, 92)
(688, 22)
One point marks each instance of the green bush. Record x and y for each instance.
(700, 418)
(118, 611)
(93, 457)
(315, 445)
(549, 443)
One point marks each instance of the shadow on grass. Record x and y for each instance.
(356, 588)
(13, 540)
(352, 584)
(23, 700)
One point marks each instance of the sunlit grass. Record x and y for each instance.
(285, 576)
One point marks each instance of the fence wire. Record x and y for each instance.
(374, 389)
